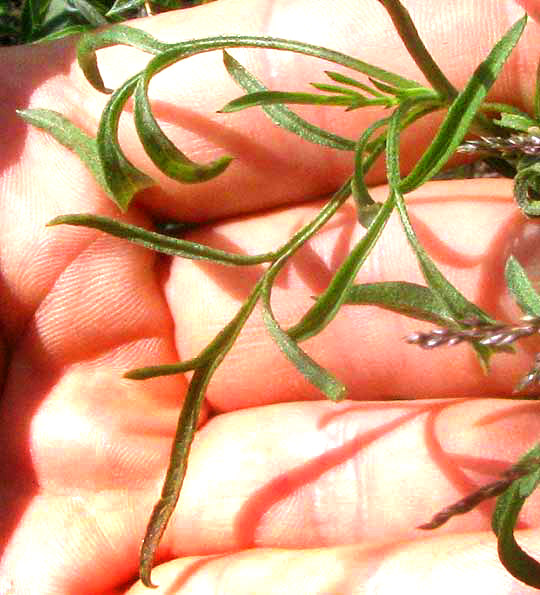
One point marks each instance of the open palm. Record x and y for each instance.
(285, 493)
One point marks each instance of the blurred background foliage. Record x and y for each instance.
(28, 21)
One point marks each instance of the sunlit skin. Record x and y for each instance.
(285, 492)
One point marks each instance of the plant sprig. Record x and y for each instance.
(439, 302)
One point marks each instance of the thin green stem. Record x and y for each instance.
(416, 48)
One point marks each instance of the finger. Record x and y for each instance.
(531, 6)
(264, 169)
(469, 228)
(296, 475)
(466, 563)
(272, 166)
(302, 475)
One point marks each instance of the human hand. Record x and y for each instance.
(284, 492)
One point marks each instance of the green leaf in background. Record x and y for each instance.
(409, 299)
(32, 17)
(521, 287)
(69, 135)
(462, 111)
(170, 160)
(89, 12)
(65, 32)
(169, 4)
(281, 115)
(121, 7)
(509, 504)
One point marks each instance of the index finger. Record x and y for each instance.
(272, 166)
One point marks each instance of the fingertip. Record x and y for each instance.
(531, 6)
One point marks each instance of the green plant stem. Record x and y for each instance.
(416, 48)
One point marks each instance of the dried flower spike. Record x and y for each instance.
(532, 378)
(476, 330)
(524, 144)
(486, 492)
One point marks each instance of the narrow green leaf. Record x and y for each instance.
(309, 368)
(521, 122)
(159, 242)
(409, 299)
(337, 89)
(328, 304)
(385, 87)
(212, 356)
(69, 135)
(502, 108)
(462, 111)
(123, 179)
(282, 116)
(120, 34)
(366, 207)
(347, 80)
(260, 98)
(318, 376)
(409, 35)
(509, 504)
(90, 43)
(459, 307)
(165, 155)
(185, 432)
(163, 370)
(521, 287)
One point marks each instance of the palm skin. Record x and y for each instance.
(284, 493)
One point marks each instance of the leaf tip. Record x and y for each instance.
(135, 374)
